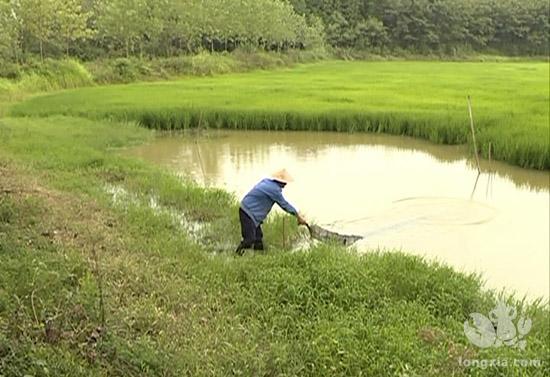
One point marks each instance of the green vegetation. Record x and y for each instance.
(449, 27)
(112, 267)
(51, 75)
(423, 99)
(93, 29)
(96, 29)
(76, 224)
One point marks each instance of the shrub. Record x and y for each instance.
(53, 75)
(10, 71)
(205, 64)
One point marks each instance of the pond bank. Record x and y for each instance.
(172, 307)
(397, 192)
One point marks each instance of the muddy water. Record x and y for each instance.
(399, 193)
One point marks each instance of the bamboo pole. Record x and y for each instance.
(473, 133)
(284, 235)
(491, 172)
(198, 149)
(475, 186)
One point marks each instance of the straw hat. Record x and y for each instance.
(282, 176)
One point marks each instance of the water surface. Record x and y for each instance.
(397, 192)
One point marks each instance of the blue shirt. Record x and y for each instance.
(259, 201)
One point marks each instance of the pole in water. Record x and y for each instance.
(475, 186)
(473, 133)
(198, 149)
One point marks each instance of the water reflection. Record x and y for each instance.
(398, 192)
(248, 147)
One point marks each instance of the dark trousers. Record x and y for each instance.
(252, 234)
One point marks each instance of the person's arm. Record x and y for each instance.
(278, 198)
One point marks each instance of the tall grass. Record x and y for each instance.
(125, 70)
(54, 75)
(423, 99)
(439, 130)
(47, 76)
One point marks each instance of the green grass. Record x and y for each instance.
(19, 81)
(423, 99)
(178, 303)
(177, 307)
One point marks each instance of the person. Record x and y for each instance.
(256, 205)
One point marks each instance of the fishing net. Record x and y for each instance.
(325, 235)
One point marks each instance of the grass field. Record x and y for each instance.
(77, 227)
(110, 266)
(424, 99)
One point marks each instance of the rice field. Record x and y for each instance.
(421, 99)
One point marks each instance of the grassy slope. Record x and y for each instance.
(174, 308)
(425, 99)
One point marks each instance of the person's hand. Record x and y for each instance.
(301, 219)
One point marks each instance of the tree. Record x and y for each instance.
(338, 31)
(312, 34)
(480, 24)
(72, 22)
(9, 32)
(38, 20)
(166, 27)
(539, 27)
(124, 21)
(371, 33)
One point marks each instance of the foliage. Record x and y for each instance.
(95, 28)
(421, 26)
(371, 34)
(98, 29)
(9, 47)
(124, 21)
(51, 75)
(422, 99)
(36, 17)
(72, 23)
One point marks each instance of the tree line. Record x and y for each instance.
(91, 29)
(422, 26)
(96, 28)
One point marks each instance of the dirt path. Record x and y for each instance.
(64, 218)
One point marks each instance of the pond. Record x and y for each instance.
(397, 192)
